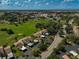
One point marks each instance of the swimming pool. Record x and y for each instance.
(39, 4)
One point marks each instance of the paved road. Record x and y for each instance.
(54, 44)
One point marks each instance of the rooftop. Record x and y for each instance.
(65, 57)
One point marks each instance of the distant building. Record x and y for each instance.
(45, 15)
(8, 52)
(2, 54)
(76, 30)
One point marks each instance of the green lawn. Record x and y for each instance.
(27, 29)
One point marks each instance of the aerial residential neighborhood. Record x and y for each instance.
(46, 36)
(39, 29)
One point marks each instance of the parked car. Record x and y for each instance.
(42, 36)
(23, 48)
(46, 33)
(30, 44)
(36, 41)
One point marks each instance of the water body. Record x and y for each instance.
(39, 4)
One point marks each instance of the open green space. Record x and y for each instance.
(25, 29)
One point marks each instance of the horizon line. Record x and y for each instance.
(55, 10)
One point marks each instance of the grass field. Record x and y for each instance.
(26, 29)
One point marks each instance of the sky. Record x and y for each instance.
(38, 4)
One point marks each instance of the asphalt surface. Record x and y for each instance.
(50, 49)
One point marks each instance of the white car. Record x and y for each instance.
(30, 44)
(42, 36)
(36, 41)
(23, 48)
(46, 33)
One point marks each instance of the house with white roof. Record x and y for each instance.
(2, 54)
(20, 45)
(73, 53)
(76, 30)
(8, 52)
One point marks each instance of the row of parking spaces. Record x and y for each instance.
(27, 45)
(29, 42)
(22, 45)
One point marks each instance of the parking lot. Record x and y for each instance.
(27, 46)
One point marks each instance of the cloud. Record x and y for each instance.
(47, 3)
(17, 3)
(29, 0)
(26, 1)
(68, 0)
(4, 1)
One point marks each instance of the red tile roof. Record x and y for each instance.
(65, 57)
